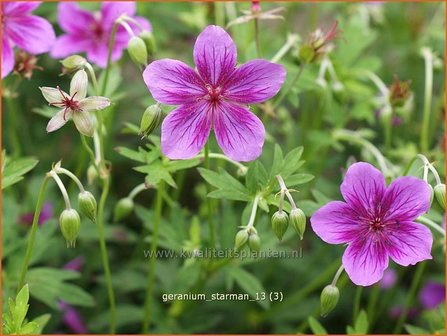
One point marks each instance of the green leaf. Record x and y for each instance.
(139, 155)
(228, 186)
(316, 327)
(297, 179)
(29, 328)
(278, 162)
(256, 177)
(249, 283)
(414, 330)
(292, 162)
(41, 322)
(13, 171)
(173, 166)
(155, 173)
(361, 324)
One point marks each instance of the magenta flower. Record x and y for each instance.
(376, 222)
(216, 96)
(432, 294)
(45, 214)
(72, 319)
(28, 32)
(75, 264)
(389, 279)
(90, 32)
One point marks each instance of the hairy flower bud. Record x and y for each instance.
(254, 242)
(137, 50)
(151, 119)
(399, 92)
(280, 223)
(329, 299)
(73, 63)
(240, 239)
(123, 208)
(440, 194)
(149, 41)
(298, 221)
(87, 205)
(70, 224)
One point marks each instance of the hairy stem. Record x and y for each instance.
(290, 87)
(208, 201)
(428, 59)
(153, 260)
(34, 226)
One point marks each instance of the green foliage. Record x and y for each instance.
(316, 327)
(13, 170)
(14, 319)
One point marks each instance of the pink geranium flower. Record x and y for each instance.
(90, 32)
(216, 96)
(377, 222)
(28, 32)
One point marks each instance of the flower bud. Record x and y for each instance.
(399, 92)
(280, 223)
(149, 41)
(306, 53)
(151, 120)
(240, 239)
(73, 63)
(87, 205)
(298, 221)
(440, 194)
(92, 174)
(254, 242)
(329, 299)
(123, 208)
(137, 50)
(70, 224)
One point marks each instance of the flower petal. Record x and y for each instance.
(58, 120)
(83, 122)
(94, 103)
(31, 33)
(214, 55)
(255, 82)
(409, 243)
(335, 223)
(74, 19)
(173, 82)
(110, 11)
(365, 260)
(52, 95)
(79, 84)
(239, 132)
(17, 8)
(67, 45)
(7, 57)
(406, 198)
(363, 187)
(185, 130)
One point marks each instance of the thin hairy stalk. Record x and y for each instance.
(428, 59)
(109, 58)
(410, 298)
(290, 87)
(430, 223)
(239, 165)
(257, 39)
(291, 40)
(208, 201)
(153, 260)
(337, 275)
(34, 226)
(72, 176)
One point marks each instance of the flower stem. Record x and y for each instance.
(355, 311)
(258, 44)
(29, 248)
(337, 275)
(290, 87)
(239, 165)
(152, 262)
(135, 191)
(208, 200)
(372, 303)
(61, 188)
(254, 208)
(286, 191)
(93, 77)
(104, 257)
(414, 286)
(72, 176)
(428, 59)
(109, 57)
(291, 40)
(430, 223)
(13, 132)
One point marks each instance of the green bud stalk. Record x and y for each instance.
(137, 51)
(70, 224)
(151, 119)
(240, 239)
(123, 208)
(149, 40)
(87, 205)
(440, 194)
(280, 223)
(329, 299)
(298, 221)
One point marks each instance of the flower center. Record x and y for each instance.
(214, 93)
(67, 103)
(376, 224)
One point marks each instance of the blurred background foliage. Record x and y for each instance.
(384, 38)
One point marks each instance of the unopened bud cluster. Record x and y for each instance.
(317, 45)
(247, 236)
